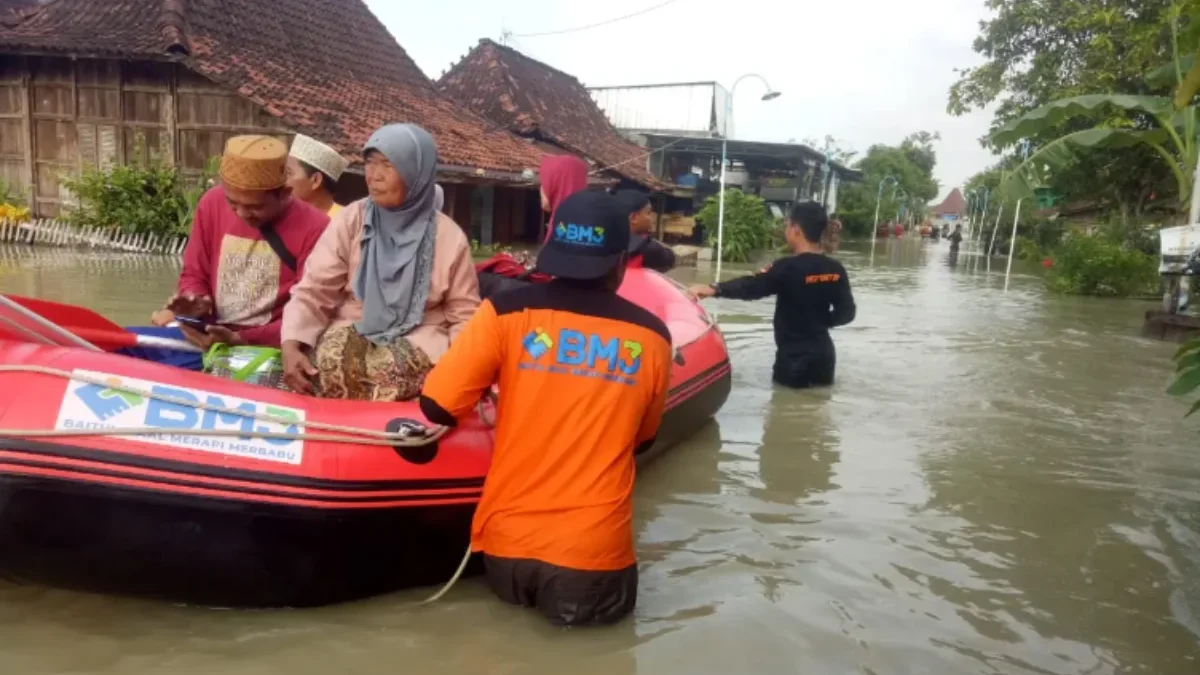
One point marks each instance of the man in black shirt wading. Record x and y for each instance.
(813, 295)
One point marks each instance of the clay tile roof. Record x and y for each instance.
(535, 100)
(954, 203)
(327, 68)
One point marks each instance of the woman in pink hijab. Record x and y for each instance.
(562, 176)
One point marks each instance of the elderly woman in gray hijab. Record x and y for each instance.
(388, 286)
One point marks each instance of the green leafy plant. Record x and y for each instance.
(191, 193)
(1027, 249)
(1097, 265)
(1187, 372)
(12, 195)
(749, 227)
(484, 250)
(137, 198)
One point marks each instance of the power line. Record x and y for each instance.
(597, 24)
(631, 160)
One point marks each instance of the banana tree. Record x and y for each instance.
(1172, 135)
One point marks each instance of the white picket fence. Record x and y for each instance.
(57, 233)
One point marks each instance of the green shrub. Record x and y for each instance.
(1045, 235)
(1027, 249)
(135, 198)
(1187, 372)
(1135, 234)
(12, 195)
(1096, 265)
(749, 227)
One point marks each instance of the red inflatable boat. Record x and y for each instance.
(291, 514)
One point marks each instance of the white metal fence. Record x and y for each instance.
(60, 234)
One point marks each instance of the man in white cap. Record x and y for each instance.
(313, 170)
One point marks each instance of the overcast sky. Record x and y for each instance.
(863, 71)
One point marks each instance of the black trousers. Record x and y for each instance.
(810, 364)
(566, 597)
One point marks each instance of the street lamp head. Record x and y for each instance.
(771, 95)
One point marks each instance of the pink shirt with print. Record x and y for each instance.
(230, 261)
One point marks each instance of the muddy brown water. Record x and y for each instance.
(996, 484)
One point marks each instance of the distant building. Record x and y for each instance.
(952, 211)
(683, 124)
(89, 83)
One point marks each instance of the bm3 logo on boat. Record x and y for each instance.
(174, 413)
(584, 355)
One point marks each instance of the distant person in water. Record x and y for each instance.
(247, 248)
(644, 251)
(956, 239)
(813, 296)
(313, 170)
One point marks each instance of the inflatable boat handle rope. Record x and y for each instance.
(405, 437)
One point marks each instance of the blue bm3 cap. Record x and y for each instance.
(590, 235)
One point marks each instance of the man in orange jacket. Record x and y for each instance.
(583, 379)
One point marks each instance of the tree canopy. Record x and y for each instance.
(911, 163)
(1090, 86)
(1038, 51)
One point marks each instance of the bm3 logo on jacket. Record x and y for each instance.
(583, 354)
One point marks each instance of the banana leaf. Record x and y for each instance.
(1187, 382)
(1188, 347)
(1163, 77)
(1060, 152)
(1052, 114)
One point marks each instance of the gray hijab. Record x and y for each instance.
(397, 244)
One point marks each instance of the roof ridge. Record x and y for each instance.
(520, 54)
(13, 13)
(172, 26)
(500, 77)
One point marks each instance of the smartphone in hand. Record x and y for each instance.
(195, 324)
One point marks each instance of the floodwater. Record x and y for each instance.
(996, 484)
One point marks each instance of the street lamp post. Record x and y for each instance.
(886, 180)
(1012, 243)
(992, 243)
(972, 209)
(987, 198)
(770, 95)
(900, 195)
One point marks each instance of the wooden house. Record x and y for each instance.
(90, 83)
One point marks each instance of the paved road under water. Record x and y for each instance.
(996, 484)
